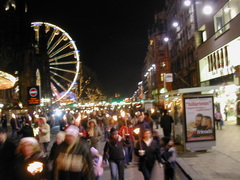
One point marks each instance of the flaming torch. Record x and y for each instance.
(35, 167)
(137, 131)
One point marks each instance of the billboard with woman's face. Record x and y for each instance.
(199, 115)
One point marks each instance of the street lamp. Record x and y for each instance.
(207, 10)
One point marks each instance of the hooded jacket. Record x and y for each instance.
(44, 134)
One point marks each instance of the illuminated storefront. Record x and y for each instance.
(219, 68)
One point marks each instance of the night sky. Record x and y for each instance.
(111, 35)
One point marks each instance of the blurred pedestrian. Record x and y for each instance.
(74, 160)
(218, 118)
(142, 125)
(168, 154)
(60, 137)
(15, 126)
(7, 154)
(27, 130)
(148, 151)
(115, 154)
(97, 163)
(166, 123)
(29, 153)
(148, 119)
(4, 121)
(126, 131)
(93, 133)
(44, 133)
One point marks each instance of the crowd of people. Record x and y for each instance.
(76, 152)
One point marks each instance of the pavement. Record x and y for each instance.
(222, 162)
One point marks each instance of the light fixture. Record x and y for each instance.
(175, 24)
(187, 2)
(207, 10)
(166, 39)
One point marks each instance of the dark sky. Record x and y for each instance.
(111, 35)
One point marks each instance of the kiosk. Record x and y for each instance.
(193, 112)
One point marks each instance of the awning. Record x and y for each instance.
(7, 81)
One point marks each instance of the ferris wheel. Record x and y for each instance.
(64, 61)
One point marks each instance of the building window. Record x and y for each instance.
(224, 15)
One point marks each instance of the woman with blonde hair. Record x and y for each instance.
(30, 162)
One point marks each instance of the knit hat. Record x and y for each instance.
(113, 131)
(30, 140)
(72, 130)
(92, 120)
(94, 151)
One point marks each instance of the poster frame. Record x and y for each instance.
(185, 97)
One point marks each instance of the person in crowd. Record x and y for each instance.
(148, 119)
(126, 131)
(74, 159)
(82, 131)
(84, 121)
(156, 136)
(4, 121)
(27, 130)
(15, 126)
(114, 152)
(100, 119)
(142, 125)
(106, 125)
(148, 151)
(156, 116)
(27, 153)
(44, 133)
(168, 154)
(218, 118)
(97, 163)
(7, 153)
(93, 133)
(166, 123)
(63, 123)
(60, 137)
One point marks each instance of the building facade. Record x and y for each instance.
(218, 54)
(157, 62)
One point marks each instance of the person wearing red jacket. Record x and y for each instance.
(126, 131)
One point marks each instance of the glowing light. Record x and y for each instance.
(137, 131)
(207, 10)
(166, 39)
(187, 2)
(35, 167)
(115, 118)
(122, 113)
(175, 24)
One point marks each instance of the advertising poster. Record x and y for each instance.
(199, 119)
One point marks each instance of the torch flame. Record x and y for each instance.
(115, 118)
(122, 113)
(137, 131)
(35, 167)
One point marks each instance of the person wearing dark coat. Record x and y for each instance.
(142, 125)
(148, 151)
(27, 153)
(115, 154)
(7, 154)
(27, 130)
(74, 159)
(166, 124)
